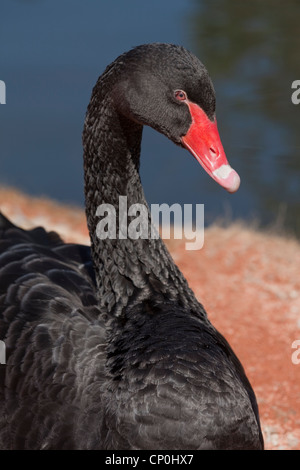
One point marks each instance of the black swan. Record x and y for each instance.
(107, 347)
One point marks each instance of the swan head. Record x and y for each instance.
(168, 88)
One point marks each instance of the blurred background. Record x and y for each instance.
(51, 54)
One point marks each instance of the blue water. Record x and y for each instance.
(51, 54)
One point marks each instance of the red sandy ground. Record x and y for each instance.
(249, 283)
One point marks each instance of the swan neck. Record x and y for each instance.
(127, 268)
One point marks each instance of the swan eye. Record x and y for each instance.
(180, 95)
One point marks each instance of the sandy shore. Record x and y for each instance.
(249, 283)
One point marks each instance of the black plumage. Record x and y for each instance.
(107, 347)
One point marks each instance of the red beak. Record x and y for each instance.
(203, 141)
